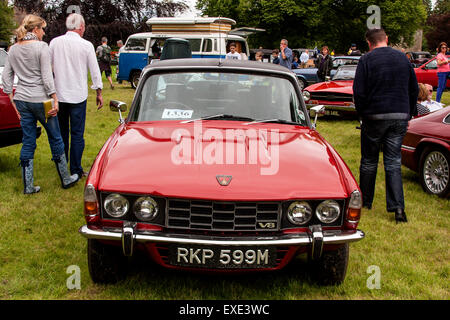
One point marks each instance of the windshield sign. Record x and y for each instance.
(227, 96)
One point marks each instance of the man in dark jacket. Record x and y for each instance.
(385, 92)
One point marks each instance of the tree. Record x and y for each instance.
(115, 19)
(7, 24)
(306, 23)
(438, 24)
(442, 7)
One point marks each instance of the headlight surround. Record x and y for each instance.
(328, 211)
(116, 205)
(306, 95)
(145, 208)
(299, 212)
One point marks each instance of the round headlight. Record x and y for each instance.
(299, 212)
(145, 208)
(116, 205)
(306, 95)
(328, 211)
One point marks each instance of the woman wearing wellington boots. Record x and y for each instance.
(29, 60)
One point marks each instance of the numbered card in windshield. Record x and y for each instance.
(177, 114)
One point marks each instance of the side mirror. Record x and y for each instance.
(118, 106)
(316, 110)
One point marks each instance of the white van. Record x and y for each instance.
(208, 37)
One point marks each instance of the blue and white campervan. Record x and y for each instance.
(208, 38)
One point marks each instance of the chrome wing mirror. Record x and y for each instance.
(316, 110)
(118, 106)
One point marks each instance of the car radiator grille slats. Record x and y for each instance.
(324, 96)
(223, 216)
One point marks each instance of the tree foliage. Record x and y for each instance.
(306, 23)
(438, 25)
(7, 24)
(115, 19)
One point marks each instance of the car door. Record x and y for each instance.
(427, 73)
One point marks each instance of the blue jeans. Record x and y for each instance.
(30, 113)
(72, 119)
(442, 81)
(389, 134)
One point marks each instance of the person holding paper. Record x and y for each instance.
(29, 60)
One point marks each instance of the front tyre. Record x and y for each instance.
(435, 172)
(302, 83)
(107, 264)
(331, 268)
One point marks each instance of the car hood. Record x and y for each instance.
(146, 158)
(341, 86)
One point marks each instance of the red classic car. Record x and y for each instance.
(335, 95)
(218, 168)
(426, 150)
(427, 73)
(10, 129)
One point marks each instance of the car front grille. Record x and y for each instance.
(223, 216)
(331, 96)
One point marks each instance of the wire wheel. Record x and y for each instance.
(436, 172)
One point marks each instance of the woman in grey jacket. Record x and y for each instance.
(29, 60)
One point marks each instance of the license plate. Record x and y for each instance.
(222, 257)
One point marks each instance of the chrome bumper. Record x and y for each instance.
(331, 107)
(316, 238)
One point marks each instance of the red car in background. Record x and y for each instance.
(426, 150)
(427, 73)
(10, 129)
(335, 95)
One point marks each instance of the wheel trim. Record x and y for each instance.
(436, 172)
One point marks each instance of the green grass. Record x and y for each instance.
(39, 237)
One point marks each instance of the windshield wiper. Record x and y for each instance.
(272, 121)
(220, 116)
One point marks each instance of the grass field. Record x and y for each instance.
(40, 240)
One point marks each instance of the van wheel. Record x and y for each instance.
(135, 79)
(107, 264)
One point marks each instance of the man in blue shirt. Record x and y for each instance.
(385, 92)
(285, 55)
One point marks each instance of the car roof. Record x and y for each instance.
(219, 63)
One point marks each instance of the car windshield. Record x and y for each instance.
(345, 73)
(230, 96)
(3, 56)
(337, 62)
